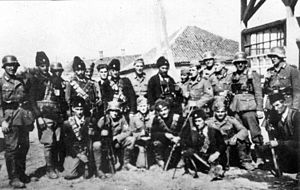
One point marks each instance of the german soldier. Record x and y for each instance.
(16, 121)
(76, 139)
(139, 79)
(234, 133)
(209, 69)
(47, 110)
(247, 102)
(140, 125)
(119, 89)
(165, 130)
(114, 124)
(197, 91)
(283, 78)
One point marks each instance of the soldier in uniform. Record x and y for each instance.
(46, 106)
(76, 140)
(162, 86)
(139, 80)
(119, 89)
(283, 78)
(90, 71)
(165, 130)
(16, 121)
(287, 135)
(83, 87)
(116, 126)
(234, 133)
(103, 73)
(222, 84)
(209, 69)
(247, 102)
(140, 125)
(197, 91)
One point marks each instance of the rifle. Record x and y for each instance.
(176, 144)
(269, 128)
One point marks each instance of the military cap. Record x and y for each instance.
(56, 67)
(160, 103)
(185, 71)
(195, 63)
(113, 105)
(198, 114)
(141, 100)
(277, 51)
(115, 64)
(275, 97)
(240, 57)
(219, 103)
(208, 55)
(162, 61)
(139, 60)
(78, 102)
(78, 64)
(41, 58)
(101, 66)
(9, 60)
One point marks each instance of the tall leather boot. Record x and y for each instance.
(15, 181)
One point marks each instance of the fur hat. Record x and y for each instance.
(41, 58)
(162, 61)
(78, 64)
(78, 102)
(115, 64)
(275, 97)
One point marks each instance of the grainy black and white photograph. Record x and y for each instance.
(150, 94)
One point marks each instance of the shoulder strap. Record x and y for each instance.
(80, 92)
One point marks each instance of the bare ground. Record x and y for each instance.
(152, 179)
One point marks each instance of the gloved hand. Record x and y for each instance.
(5, 126)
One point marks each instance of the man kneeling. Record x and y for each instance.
(76, 139)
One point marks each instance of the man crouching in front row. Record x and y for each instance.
(115, 124)
(76, 139)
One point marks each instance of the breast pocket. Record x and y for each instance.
(7, 92)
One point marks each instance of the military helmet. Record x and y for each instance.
(277, 51)
(113, 105)
(240, 57)
(208, 55)
(56, 67)
(9, 60)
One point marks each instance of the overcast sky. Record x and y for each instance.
(64, 29)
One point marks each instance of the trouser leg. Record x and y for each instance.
(97, 156)
(22, 152)
(11, 140)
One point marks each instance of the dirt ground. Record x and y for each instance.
(152, 179)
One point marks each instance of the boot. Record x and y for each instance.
(51, 173)
(25, 178)
(16, 183)
(127, 164)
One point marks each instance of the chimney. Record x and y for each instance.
(123, 52)
(101, 54)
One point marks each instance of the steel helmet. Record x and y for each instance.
(208, 55)
(277, 51)
(56, 67)
(9, 59)
(240, 57)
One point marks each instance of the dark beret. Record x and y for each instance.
(78, 102)
(198, 114)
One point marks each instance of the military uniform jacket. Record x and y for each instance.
(221, 84)
(229, 127)
(122, 91)
(84, 88)
(42, 90)
(119, 128)
(248, 92)
(286, 78)
(74, 144)
(141, 125)
(13, 92)
(207, 141)
(288, 131)
(140, 84)
(155, 88)
(200, 91)
(161, 126)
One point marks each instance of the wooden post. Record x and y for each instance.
(292, 33)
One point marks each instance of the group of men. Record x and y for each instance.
(96, 127)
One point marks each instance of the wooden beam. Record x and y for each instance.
(243, 8)
(291, 4)
(257, 6)
(248, 10)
